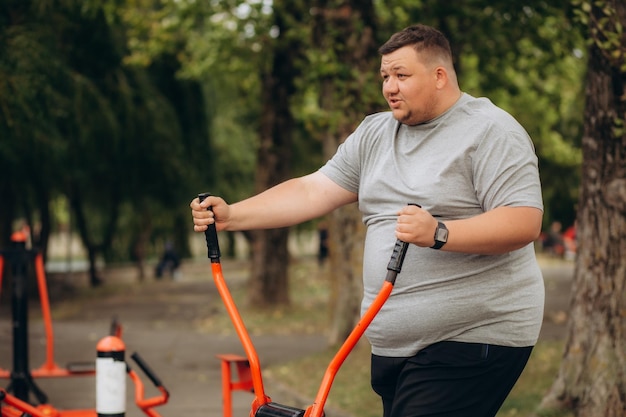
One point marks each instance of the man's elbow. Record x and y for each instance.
(532, 225)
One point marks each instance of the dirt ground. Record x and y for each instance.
(158, 323)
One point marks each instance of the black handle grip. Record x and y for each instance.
(146, 369)
(212, 244)
(397, 256)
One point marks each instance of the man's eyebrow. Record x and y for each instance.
(395, 68)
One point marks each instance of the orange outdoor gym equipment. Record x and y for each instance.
(242, 382)
(262, 405)
(14, 400)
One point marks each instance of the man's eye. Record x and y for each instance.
(401, 76)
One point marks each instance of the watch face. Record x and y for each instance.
(442, 234)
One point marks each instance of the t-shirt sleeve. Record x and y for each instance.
(345, 166)
(506, 172)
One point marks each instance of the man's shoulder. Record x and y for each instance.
(483, 108)
(378, 117)
(377, 122)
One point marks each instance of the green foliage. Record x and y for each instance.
(527, 57)
(85, 125)
(605, 29)
(221, 46)
(606, 32)
(97, 87)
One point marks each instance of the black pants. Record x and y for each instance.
(448, 379)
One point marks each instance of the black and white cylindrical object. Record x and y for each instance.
(110, 378)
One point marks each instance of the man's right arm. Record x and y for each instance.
(286, 204)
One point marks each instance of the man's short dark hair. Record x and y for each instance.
(423, 38)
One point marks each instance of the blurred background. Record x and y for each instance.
(115, 114)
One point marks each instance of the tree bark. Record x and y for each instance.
(269, 284)
(270, 257)
(592, 376)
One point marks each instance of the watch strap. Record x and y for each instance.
(440, 238)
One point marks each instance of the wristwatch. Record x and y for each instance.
(441, 236)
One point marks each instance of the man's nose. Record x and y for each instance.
(390, 85)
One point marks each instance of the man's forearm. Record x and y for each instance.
(497, 231)
(289, 203)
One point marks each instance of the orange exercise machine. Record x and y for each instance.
(15, 399)
(262, 405)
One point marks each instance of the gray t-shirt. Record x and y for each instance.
(473, 158)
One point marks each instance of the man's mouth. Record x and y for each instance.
(394, 102)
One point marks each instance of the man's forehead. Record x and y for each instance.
(394, 63)
(392, 68)
(400, 58)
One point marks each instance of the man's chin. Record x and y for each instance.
(403, 117)
(399, 115)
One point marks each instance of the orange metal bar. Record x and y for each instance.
(317, 408)
(49, 369)
(49, 364)
(257, 381)
(227, 396)
(146, 404)
(19, 405)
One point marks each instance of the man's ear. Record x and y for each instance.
(441, 75)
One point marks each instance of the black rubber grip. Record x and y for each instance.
(212, 245)
(397, 256)
(278, 410)
(146, 369)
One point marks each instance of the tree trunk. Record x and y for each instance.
(592, 377)
(270, 260)
(139, 242)
(87, 234)
(92, 256)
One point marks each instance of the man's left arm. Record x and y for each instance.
(500, 230)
